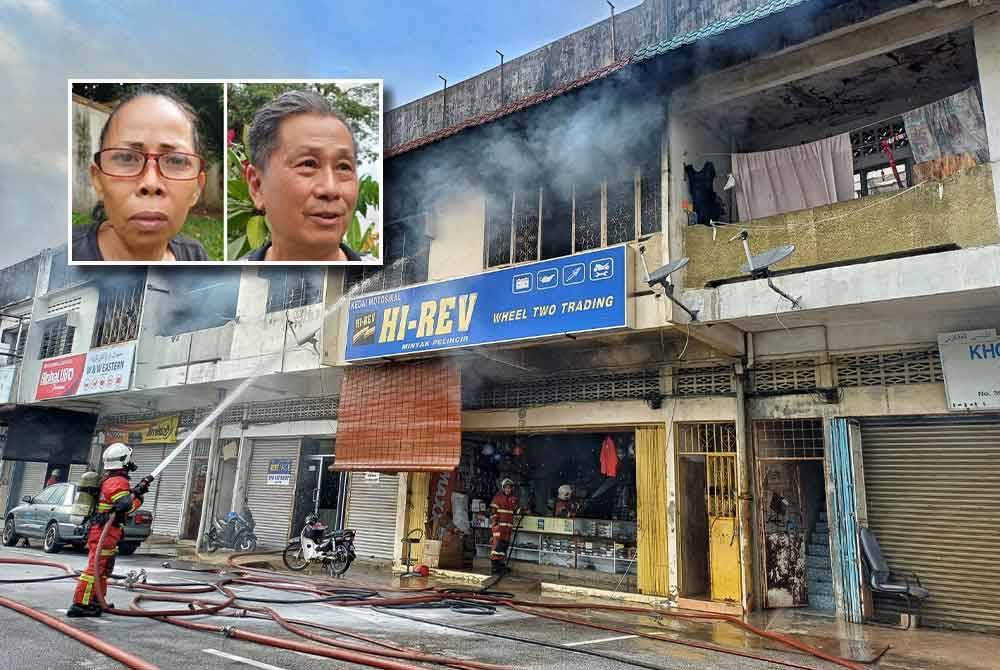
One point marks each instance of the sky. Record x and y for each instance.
(408, 44)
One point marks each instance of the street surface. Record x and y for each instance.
(30, 645)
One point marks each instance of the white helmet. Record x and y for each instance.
(118, 457)
(565, 492)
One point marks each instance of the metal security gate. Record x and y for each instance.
(75, 471)
(371, 511)
(147, 457)
(272, 499)
(168, 505)
(933, 495)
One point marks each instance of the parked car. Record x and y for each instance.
(48, 517)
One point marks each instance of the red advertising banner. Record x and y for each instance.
(60, 376)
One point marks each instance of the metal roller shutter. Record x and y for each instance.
(147, 457)
(272, 504)
(75, 471)
(32, 480)
(168, 504)
(371, 511)
(933, 495)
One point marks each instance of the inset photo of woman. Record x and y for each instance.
(304, 172)
(146, 172)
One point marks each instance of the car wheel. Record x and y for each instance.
(51, 543)
(127, 548)
(10, 537)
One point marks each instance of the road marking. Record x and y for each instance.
(603, 639)
(240, 659)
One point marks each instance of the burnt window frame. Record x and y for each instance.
(222, 286)
(406, 262)
(292, 287)
(57, 337)
(646, 216)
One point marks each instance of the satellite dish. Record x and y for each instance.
(762, 261)
(657, 276)
(757, 266)
(660, 277)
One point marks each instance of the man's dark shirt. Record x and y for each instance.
(259, 254)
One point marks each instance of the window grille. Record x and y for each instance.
(703, 381)
(636, 384)
(785, 375)
(885, 368)
(57, 338)
(526, 225)
(789, 439)
(499, 221)
(621, 211)
(587, 224)
(649, 198)
(297, 409)
(118, 309)
(405, 263)
(67, 305)
(714, 437)
(291, 287)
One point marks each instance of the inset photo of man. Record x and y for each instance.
(304, 172)
(146, 172)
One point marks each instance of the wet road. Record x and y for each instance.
(27, 644)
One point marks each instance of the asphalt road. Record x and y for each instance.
(30, 645)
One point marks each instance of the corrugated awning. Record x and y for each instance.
(401, 417)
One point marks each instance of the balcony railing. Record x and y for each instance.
(957, 211)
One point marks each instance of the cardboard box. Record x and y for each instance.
(446, 553)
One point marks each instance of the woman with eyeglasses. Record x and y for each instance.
(148, 175)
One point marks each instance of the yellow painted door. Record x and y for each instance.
(723, 540)
(651, 484)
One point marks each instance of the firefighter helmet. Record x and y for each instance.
(565, 492)
(118, 457)
(507, 481)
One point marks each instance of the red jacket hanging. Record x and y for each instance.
(609, 458)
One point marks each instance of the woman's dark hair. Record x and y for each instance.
(98, 215)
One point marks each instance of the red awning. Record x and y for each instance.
(400, 417)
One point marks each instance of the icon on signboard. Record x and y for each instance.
(602, 268)
(573, 274)
(548, 278)
(522, 283)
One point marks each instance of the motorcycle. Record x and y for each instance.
(318, 544)
(235, 531)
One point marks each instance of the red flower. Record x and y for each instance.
(230, 136)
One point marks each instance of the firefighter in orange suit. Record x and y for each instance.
(116, 501)
(503, 507)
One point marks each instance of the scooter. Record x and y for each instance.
(235, 531)
(318, 544)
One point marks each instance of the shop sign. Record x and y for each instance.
(579, 293)
(971, 364)
(97, 371)
(279, 472)
(371, 476)
(154, 431)
(7, 382)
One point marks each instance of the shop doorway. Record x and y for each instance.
(198, 475)
(318, 487)
(579, 493)
(791, 514)
(709, 527)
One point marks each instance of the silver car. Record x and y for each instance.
(49, 517)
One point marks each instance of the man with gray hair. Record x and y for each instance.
(303, 174)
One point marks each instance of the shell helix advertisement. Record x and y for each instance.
(584, 292)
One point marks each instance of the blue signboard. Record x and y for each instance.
(583, 292)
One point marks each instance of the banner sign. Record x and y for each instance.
(60, 377)
(578, 293)
(279, 472)
(97, 371)
(155, 431)
(970, 361)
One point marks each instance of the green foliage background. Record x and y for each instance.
(246, 227)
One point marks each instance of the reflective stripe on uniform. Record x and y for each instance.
(89, 590)
(109, 552)
(104, 507)
(504, 511)
(118, 496)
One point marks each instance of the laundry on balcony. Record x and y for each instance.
(785, 180)
(947, 135)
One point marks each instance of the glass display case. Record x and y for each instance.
(582, 544)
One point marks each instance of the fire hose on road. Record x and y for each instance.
(194, 600)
